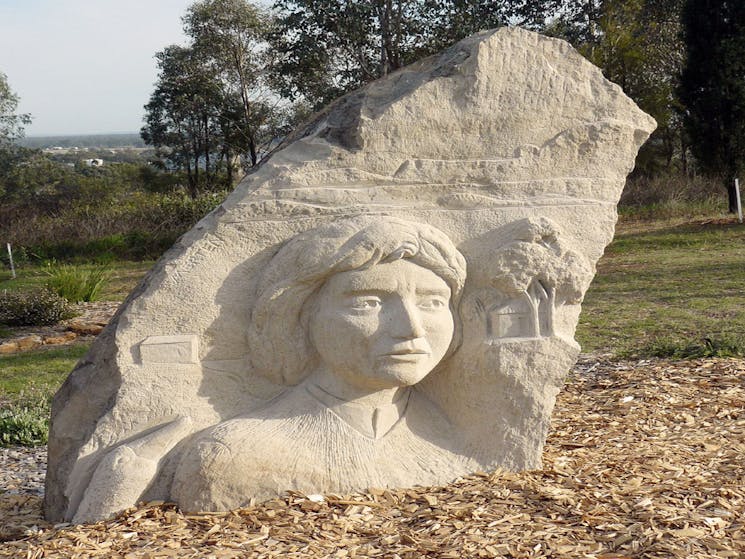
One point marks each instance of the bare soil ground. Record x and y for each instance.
(645, 460)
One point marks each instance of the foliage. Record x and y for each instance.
(212, 105)
(11, 124)
(576, 21)
(40, 185)
(325, 48)
(133, 246)
(639, 48)
(182, 116)
(11, 129)
(124, 276)
(36, 179)
(27, 382)
(670, 189)
(39, 307)
(51, 210)
(25, 421)
(136, 225)
(713, 86)
(77, 283)
(230, 35)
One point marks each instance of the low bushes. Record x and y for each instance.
(39, 307)
(141, 226)
(672, 195)
(25, 420)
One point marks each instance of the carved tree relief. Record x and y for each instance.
(533, 275)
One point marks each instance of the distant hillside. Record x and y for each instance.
(84, 141)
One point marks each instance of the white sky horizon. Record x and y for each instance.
(85, 66)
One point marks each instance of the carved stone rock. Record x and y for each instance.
(389, 300)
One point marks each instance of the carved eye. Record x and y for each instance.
(366, 303)
(433, 303)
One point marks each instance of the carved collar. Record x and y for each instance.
(374, 423)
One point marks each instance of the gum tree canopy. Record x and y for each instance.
(329, 47)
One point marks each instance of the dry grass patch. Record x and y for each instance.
(645, 460)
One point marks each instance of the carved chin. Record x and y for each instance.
(403, 370)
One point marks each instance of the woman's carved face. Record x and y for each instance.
(383, 327)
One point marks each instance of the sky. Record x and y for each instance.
(85, 66)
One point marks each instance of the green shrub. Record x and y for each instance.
(77, 283)
(25, 421)
(41, 307)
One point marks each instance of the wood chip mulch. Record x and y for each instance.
(645, 460)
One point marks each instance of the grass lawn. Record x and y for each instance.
(27, 383)
(43, 369)
(668, 289)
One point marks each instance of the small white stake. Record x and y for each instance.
(13, 268)
(739, 202)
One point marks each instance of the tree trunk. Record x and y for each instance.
(252, 151)
(731, 194)
(191, 180)
(207, 151)
(195, 186)
(592, 18)
(396, 33)
(238, 58)
(385, 39)
(229, 162)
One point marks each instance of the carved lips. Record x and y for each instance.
(409, 352)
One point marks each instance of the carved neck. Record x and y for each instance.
(342, 389)
(371, 413)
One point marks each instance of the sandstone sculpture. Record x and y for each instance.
(389, 300)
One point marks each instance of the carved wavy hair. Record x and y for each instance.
(279, 343)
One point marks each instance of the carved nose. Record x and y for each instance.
(408, 322)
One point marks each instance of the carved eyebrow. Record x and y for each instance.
(355, 292)
(433, 291)
(423, 292)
